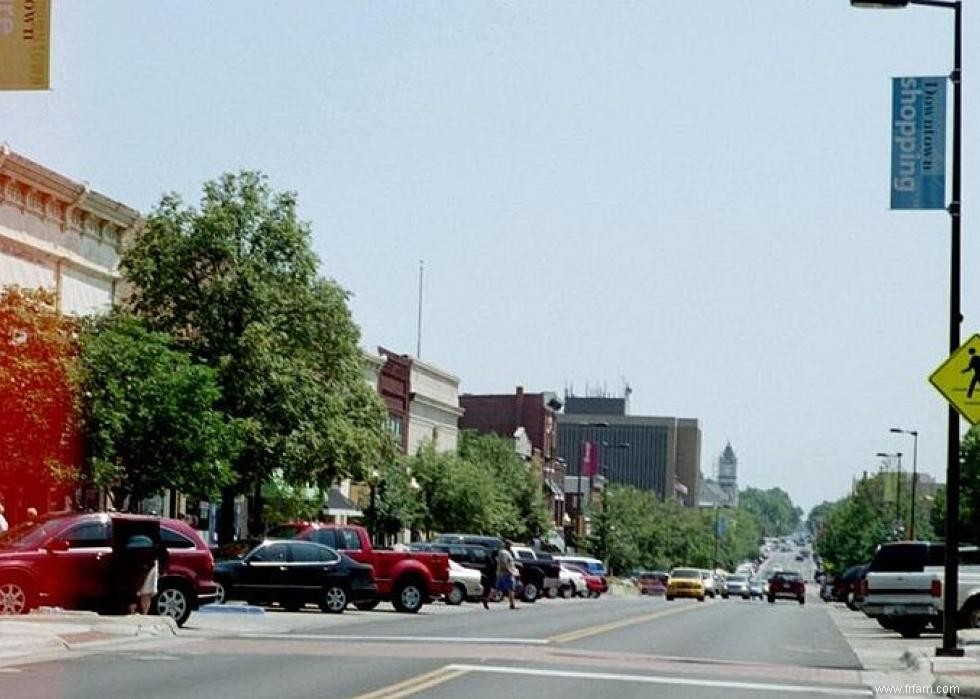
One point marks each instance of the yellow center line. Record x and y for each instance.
(414, 685)
(613, 625)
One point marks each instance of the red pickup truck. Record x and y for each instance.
(787, 584)
(406, 579)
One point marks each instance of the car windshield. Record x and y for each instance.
(30, 536)
(736, 579)
(689, 573)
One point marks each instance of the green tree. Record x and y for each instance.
(855, 526)
(149, 414)
(773, 508)
(235, 282)
(39, 437)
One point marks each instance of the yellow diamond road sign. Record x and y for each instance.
(958, 379)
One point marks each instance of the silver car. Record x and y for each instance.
(466, 583)
(738, 585)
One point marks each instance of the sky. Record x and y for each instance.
(691, 197)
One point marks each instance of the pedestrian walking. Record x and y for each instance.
(488, 577)
(507, 572)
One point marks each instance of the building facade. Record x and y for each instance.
(57, 234)
(728, 474)
(658, 454)
(433, 409)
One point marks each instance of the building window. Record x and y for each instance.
(396, 425)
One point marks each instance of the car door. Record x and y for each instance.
(313, 569)
(266, 572)
(78, 576)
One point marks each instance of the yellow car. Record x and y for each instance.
(685, 582)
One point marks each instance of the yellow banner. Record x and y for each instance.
(25, 44)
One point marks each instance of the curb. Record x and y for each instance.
(230, 609)
(962, 673)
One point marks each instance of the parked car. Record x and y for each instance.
(685, 582)
(573, 583)
(786, 584)
(467, 583)
(757, 588)
(294, 573)
(593, 565)
(408, 579)
(71, 561)
(595, 584)
(652, 582)
(738, 585)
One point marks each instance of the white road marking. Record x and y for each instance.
(396, 639)
(677, 681)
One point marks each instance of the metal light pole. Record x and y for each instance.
(898, 483)
(951, 582)
(915, 474)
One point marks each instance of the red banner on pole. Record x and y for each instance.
(590, 459)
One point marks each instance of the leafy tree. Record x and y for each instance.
(149, 414)
(235, 282)
(856, 526)
(39, 439)
(396, 505)
(969, 519)
(773, 508)
(514, 482)
(283, 502)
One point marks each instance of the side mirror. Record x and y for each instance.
(57, 546)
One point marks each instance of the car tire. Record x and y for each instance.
(568, 591)
(334, 600)
(594, 594)
(801, 600)
(367, 605)
(530, 593)
(970, 616)
(551, 592)
(772, 600)
(496, 595)
(747, 597)
(911, 628)
(220, 593)
(456, 597)
(16, 597)
(701, 598)
(409, 596)
(669, 598)
(172, 600)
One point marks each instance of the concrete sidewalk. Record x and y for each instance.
(49, 631)
(962, 673)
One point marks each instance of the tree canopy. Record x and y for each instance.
(773, 508)
(149, 414)
(235, 283)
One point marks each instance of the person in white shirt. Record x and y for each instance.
(3, 520)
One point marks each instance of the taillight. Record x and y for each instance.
(936, 589)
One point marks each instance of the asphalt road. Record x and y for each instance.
(612, 647)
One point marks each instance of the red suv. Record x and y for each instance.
(68, 561)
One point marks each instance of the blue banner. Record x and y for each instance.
(919, 143)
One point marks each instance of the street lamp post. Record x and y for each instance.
(898, 483)
(915, 474)
(951, 582)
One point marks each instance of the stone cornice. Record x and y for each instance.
(52, 197)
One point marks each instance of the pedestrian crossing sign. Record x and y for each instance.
(958, 379)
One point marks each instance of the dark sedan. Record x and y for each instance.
(294, 573)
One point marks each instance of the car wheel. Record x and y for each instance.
(15, 597)
(173, 601)
(334, 600)
(746, 597)
(367, 605)
(496, 595)
(669, 598)
(971, 615)
(457, 595)
(551, 592)
(409, 596)
(567, 591)
(530, 592)
(911, 628)
(772, 600)
(220, 595)
(701, 598)
(594, 594)
(801, 600)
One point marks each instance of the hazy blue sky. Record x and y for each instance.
(691, 195)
